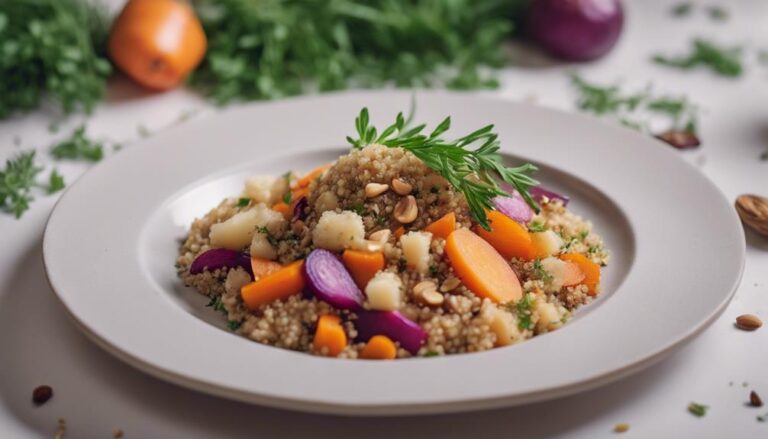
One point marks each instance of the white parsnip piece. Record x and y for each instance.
(416, 249)
(339, 231)
(384, 291)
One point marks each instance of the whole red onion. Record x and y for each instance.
(575, 30)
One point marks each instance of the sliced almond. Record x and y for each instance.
(373, 246)
(375, 189)
(450, 284)
(381, 236)
(748, 322)
(423, 286)
(400, 187)
(753, 210)
(406, 210)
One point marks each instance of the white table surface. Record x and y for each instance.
(96, 393)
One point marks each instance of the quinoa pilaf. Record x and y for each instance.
(394, 251)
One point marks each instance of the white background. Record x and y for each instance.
(96, 393)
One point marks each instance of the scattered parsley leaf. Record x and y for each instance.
(55, 182)
(535, 227)
(523, 309)
(718, 13)
(234, 325)
(16, 181)
(725, 62)
(143, 131)
(78, 147)
(431, 354)
(358, 209)
(472, 172)
(697, 410)
(243, 202)
(583, 234)
(287, 197)
(541, 273)
(682, 9)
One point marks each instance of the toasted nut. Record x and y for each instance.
(373, 246)
(754, 399)
(375, 189)
(450, 284)
(400, 187)
(748, 322)
(406, 210)
(753, 210)
(381, 236)
(424, 286)
(432, 298)
(621, 428)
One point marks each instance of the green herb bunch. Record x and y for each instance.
(723, 61)
(271, 48)
(16, 182)
(51, 48)
(473, 172)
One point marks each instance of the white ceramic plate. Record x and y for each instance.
(111, 242)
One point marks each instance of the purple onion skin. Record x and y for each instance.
(575, 30)
(300, 208)
(538, 193)
(330, 281)
(216, 258)
(514, 207)
(392, 324)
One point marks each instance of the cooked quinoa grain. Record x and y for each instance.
(353, 206)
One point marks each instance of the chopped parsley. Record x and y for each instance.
(55, 182)
(583, 234)
(287, 197)
(16, 181)
(272, 240)
(243, 202)
(540, 272)
(382, 220)
(431, 354)
(217, 305)
(234, 325)
(535, 227)
(78, 147)
(523, 308)
(358, 209)
(704, 53)
(433, 270)
(682, 9)
(697, 410)
(718, 13)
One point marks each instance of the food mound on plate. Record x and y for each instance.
(409, 245)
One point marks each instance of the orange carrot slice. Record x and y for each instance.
(442, 227)
(507, 236)
(590, 269)
(481, 268)
(283, 209)
(279, 285)
(263, 267)
(400, 231)
(363, 265)
(330, 335)
(379, 347)
(311, 175)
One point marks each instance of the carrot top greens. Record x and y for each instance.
(473, 172)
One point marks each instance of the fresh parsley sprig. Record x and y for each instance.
(16, 182)
(473, 172)
(79, 147)
(723, 61)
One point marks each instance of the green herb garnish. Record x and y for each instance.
(541, 273)
(471, 172)
(602, 100)
(243, 202)
(270, 238)
(287, 197)
(523, 308)
(535, 227)
(725, 62)
(681, 9)
(583, 234)
(51, 49)
(431, 354)
(234, 325)
(697, 410)
(217, 305)
(16, 181)
(718, 13)
(271, 49)
(78, 147)
(55, 182)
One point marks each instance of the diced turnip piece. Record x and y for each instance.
(236, 279)
(261, 247)
(549, 316)
(504, 325)
(561, 273)
(266, 217)
(236, 232)
(339, 231)
(548, 243)
(416, 249)
(279, 188)
(384, 291)
(259, 188)
(326, 201)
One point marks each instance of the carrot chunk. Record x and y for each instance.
(481, 268)
(263, 267)
(590, 269)
(507, 236)
(279, 285)
(363, 265)
(442, 227)
(284, 209)
(330, 335)
(379, 347)
(311, 175)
